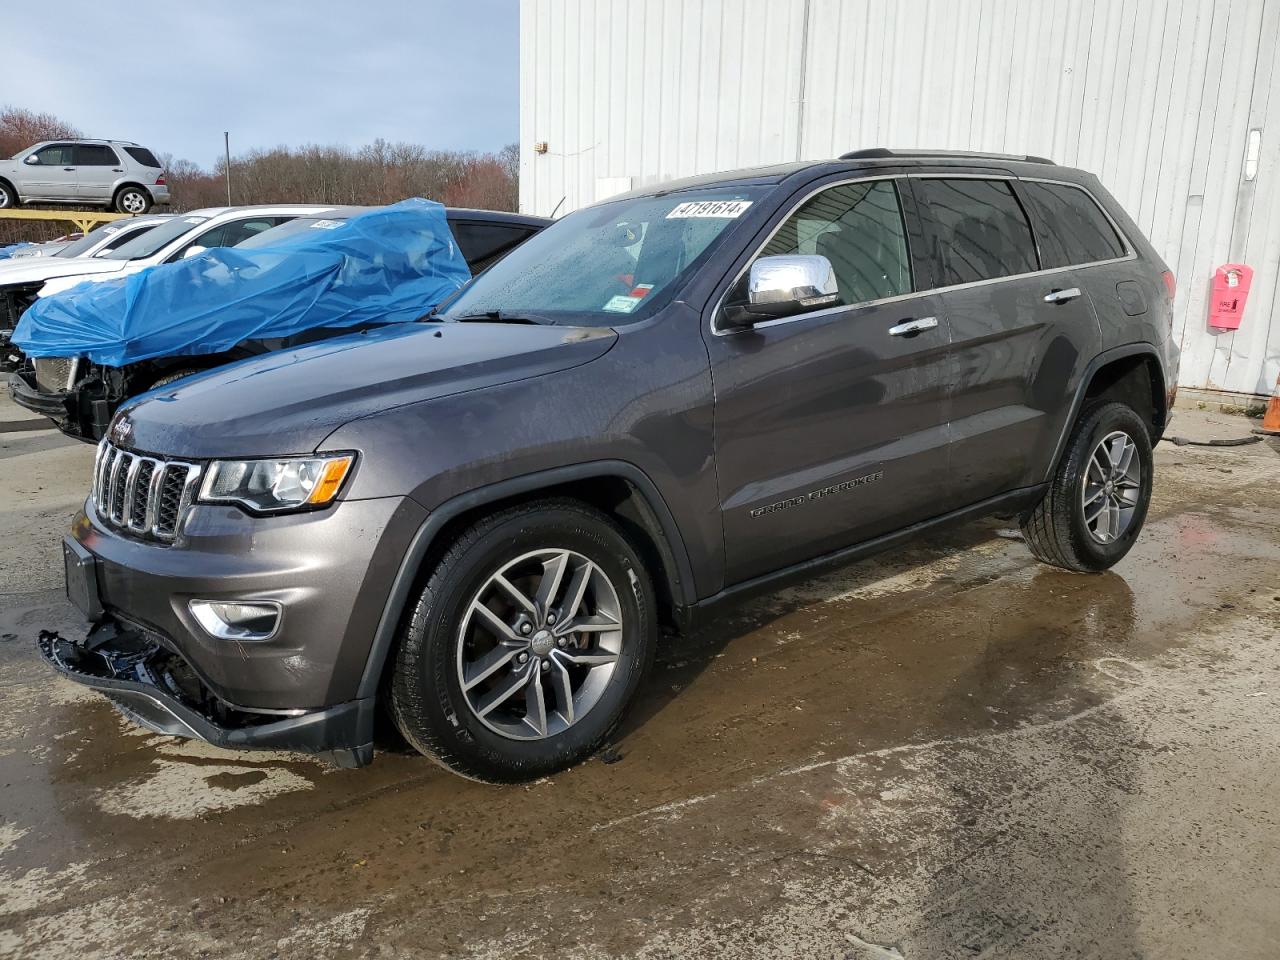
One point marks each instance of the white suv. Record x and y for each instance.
(115, 174)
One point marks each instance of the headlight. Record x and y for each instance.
(271, 486)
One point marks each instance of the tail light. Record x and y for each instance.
(1170, 283)
(160, 183)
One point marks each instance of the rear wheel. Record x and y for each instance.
(526, 644)
(133, 200)
(1098, 498)
(8, 197)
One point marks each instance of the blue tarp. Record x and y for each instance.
(11, 249)
(386, 266)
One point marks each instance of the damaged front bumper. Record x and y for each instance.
(85, 421)
(158, 689)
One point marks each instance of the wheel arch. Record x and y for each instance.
(619, 489)
(1132, 374)
(5, 181)
(125, 185)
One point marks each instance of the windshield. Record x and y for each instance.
(275, 235)
(608, 264)
(78, 248)
(152, 240)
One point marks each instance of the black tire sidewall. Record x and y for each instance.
(124, 192)
(1102, 420)
(11, 195)
(452, 732)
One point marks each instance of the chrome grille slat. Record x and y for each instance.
(144, 495)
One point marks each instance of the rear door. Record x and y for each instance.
(53, 175)
(830, 427)
(98, 168)
(1021, 335)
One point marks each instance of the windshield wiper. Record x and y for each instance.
(500, 316)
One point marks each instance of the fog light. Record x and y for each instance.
(238, 620)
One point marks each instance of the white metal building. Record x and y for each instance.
(1175, 104)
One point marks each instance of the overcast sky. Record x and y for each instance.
(173, 76)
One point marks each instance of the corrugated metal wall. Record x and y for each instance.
(1155, 96)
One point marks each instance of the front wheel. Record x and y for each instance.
(527, 643)
(1098, 498)
(8, 197)
(132, 200)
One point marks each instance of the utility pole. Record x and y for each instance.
(226, 145)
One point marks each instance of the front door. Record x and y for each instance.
(53, 175)
(831, 426)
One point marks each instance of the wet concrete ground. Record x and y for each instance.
(950, 751)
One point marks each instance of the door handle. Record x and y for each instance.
(117, 169)
(68, 169)
(1062, 296)
(909, 328)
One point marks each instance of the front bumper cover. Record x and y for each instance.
(160, 691)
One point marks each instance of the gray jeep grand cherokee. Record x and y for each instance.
(481, 520)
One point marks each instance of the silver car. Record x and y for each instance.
(116, 174)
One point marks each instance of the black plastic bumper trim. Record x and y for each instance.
(342, 733)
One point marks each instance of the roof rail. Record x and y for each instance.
(881, 153)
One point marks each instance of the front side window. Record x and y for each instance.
(56, 155)
(977, 230)
(1071, 228)
(858, 227)
(611, 263)
(94, 155)
(228, 234)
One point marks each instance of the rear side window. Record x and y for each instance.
(977, 230)
(1071, 227)
(143, 156)
(484, 243)
(95, 155)
(858, 227)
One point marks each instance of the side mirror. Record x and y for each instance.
(783, 286)
(193, 251)
(31, 160)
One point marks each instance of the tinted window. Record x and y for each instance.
(143, 156)
(977, 230)
(483, 243)
(859, 228)
(58, 155)
(95, 155)
(1070, 226)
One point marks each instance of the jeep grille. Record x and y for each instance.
(144, 495)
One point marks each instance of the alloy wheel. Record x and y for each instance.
(132, 202)
(539, 643)
(1112, 487)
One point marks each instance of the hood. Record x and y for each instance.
(38, 269)
(289, 401)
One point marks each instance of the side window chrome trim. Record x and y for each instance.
(1130, 254)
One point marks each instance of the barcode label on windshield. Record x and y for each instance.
(710, 208)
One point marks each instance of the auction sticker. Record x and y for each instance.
(622, 304)
(729, 209)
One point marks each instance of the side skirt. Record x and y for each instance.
(1013, 502)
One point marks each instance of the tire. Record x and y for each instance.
(131, 200)
(1059, 530)
(8, 197)
(444, 640)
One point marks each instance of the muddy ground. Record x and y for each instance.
(950, 751)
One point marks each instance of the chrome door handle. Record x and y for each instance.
(909, 328)
(1062, 296)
